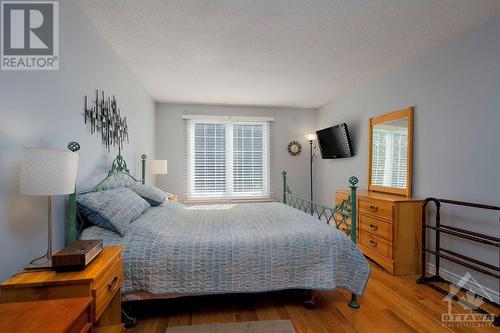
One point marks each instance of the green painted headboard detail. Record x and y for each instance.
(118, 176)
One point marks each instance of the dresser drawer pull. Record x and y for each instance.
(373, 208)
(113, 285)
(373, 242)
(373, 226)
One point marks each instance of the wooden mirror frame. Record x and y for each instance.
(392, 116)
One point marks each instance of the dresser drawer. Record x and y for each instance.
(376, 243)
(107, 287)
(375, 227)
(378, 208)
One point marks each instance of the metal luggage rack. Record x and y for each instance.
(442, 253)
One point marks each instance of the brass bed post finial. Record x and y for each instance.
(353, 181)
(284, 186)
(143, 168)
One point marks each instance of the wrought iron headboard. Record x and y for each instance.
(118, 176)
(341, 216)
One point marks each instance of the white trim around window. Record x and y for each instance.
(227, 118)
(228, 158)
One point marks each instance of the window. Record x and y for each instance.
(228, 159)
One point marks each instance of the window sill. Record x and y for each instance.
(209, 201)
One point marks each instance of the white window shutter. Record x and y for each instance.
(228, 159)
(208, 159)
(249, 159)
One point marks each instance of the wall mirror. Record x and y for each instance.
(390, 152)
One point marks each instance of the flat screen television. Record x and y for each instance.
(334, 142)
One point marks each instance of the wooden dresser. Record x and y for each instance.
(389, 229)
(101, 280)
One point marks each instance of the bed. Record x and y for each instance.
(176, 250)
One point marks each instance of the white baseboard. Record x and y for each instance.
(493, 295)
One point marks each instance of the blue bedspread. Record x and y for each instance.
(174, 249)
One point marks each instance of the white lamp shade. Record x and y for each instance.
(158, 167)
(310, 137)
(48, 172)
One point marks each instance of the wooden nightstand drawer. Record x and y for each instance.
(378, 208)
(115, 264)
(375, 227)
(375, 243)
(106, 288)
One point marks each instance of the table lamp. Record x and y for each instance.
(158, 167)
(47, 172)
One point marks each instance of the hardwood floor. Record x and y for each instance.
(390, 304)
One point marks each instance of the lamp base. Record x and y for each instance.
(40, 263)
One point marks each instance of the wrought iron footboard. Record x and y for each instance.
(338, 216)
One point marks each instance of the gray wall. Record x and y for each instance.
(455, 89)
(43, 109)
(290, 124)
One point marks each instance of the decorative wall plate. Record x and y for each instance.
(294, 148)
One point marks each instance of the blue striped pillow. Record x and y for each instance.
(153, 195)
(112, 209)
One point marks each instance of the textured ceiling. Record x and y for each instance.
(274, 53)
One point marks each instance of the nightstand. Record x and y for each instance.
(54, 316)
(101, 280)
